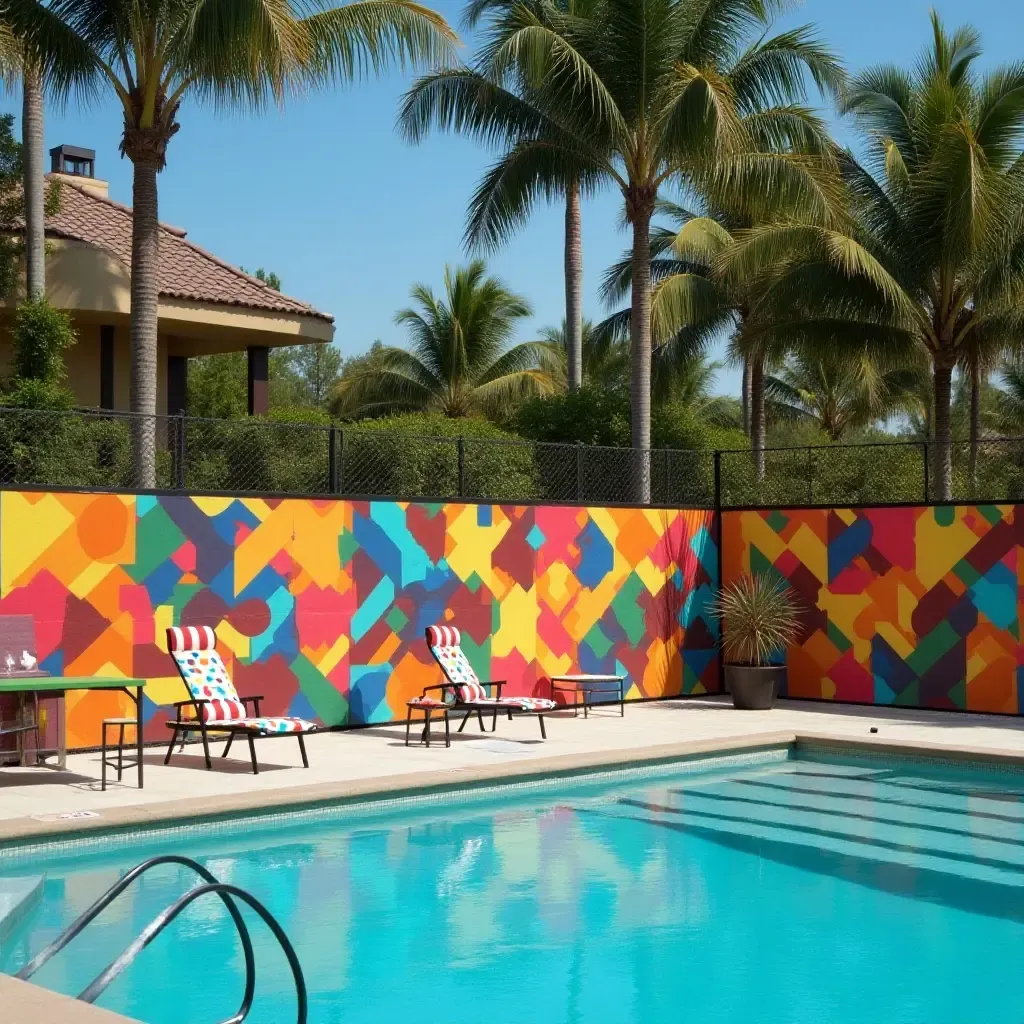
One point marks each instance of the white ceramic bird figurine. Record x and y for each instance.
(9, 662)
(28, 661)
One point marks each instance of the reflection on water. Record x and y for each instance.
(802, 891)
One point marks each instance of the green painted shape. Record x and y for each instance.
(945, 515)
(966, 572)
(597, 641)
(909, 696)
(479, 655)
(181, 595)
(990, 512)
(759, 564)
(330, 706)
(777, 521)
(156, 539)
(958, 694)
(347, 546)
(1014, 629)
(628, 613)
(473, 583)
(930, 648)
(836, 635)
(396, 619)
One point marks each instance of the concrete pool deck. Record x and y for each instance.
(36, 803)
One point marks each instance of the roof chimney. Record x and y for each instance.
(77, 165)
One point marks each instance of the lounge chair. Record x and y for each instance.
(463, 689)
(216, 703)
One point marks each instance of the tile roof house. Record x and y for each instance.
(206, 306)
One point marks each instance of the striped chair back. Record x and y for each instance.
(194, 651)
(445, 643)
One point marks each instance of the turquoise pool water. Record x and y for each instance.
(780, 892)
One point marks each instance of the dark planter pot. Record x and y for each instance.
(754, 687)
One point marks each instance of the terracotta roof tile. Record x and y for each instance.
(186, 271)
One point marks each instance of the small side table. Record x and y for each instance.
(587, 684)
(428, 705)
(120, 764)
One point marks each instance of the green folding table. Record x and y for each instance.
(40, 686)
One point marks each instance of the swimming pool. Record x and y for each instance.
(774, 889)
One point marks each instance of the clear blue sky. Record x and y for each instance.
(326, 194)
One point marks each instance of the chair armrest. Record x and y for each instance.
(193, 702)
(255, 701)
(497, 684)
(439, 686)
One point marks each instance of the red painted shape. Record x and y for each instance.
(892, 534)
(854, 579)
(185, 557)
(45, 599)
(134, 599)
(853, 681)
(321, 616)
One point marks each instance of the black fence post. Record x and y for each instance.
(179, 474)
(340, 462)
(579, 470)
(810, 475)
(718, 480)
(332, 460)
(462, 467)
(925, 458)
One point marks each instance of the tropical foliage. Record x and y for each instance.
(460, 362)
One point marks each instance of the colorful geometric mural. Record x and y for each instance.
(321, 606)
(917, 607)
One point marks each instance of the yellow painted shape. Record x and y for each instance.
(214, 506)
(552, 664)
(604, 520)
(471, 546)
(557, 586)
(91, 577)
(330, 660)
(163, 619)
(848, 516)
(382, 655)
(165, 689)
(906, 603)
(807, 546)
(844, 610)
(939, 548)
(653, 578)
(314, 541)
(517, 629)
(895, 639)
(237, 643)
(759, 534)
(30, 529)
(828, 688)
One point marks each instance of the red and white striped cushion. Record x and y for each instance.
(200, 666)
(445, 645)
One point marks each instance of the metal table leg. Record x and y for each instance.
(62, 734)
(138, 729)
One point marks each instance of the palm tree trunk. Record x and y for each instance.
(32, 171)
(145, 290)
(757, 426)
(574, 286)
(942, 448)
(975, 424)
(746, 396)
(640, 349)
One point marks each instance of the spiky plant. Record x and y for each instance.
(759, 616)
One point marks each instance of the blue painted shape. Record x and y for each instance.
(696, 607)
(596, 556)
(842, 550)
(373, 607)
(280, 636)
(484, 515)
(367, 690)
(995, 595)
(883, 692)
(413, 563)
(145, 503)
(301, 708)
(535, 538)
(53, 663)
(703, 545)
(160, 583)
(695, 664)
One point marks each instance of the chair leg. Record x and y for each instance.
(120, 751)
(170, 746)
(408, 727)
(447, 731)
(206, 746)
(252, 754)
(543, 731)
(227, 746)
(426, 726)
(465, 719)
(302, 750)
(103, 763)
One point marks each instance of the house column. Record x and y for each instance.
(106, 367)
(259, 364)
(177, 384)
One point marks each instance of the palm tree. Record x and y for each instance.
(244, 53)
(841, 392)
(631, 93)
(1009, 398)
(604, 356)
(505, 91)
(460, 362)
(936, 263)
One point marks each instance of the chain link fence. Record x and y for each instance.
(94, 449)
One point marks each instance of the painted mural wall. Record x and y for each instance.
(905, 606)
(321, 605)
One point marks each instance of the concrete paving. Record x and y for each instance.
(31, 797)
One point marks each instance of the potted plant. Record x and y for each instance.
(759, 619)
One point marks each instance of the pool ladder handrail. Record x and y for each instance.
(228, 893)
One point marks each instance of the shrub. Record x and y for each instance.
(41, 334)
